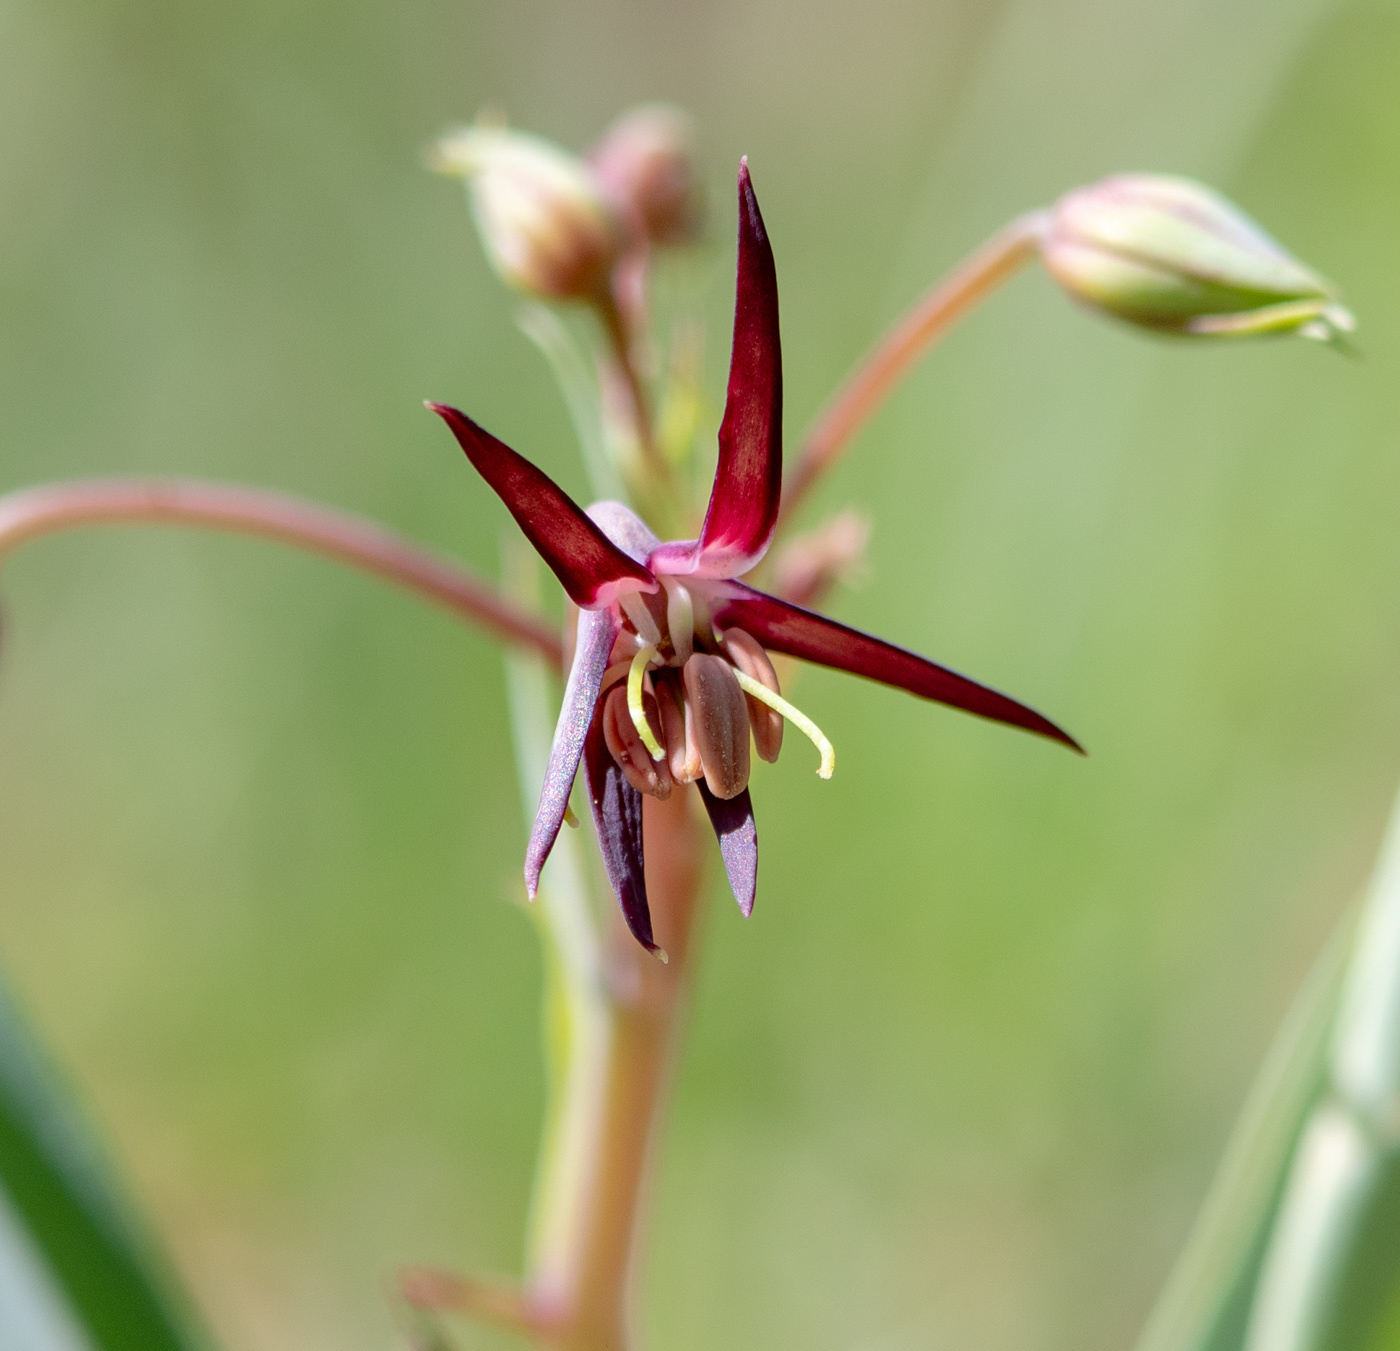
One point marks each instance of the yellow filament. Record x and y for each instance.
(640, 662)
(796, 716)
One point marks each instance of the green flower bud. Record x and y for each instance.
(544, 223)
(646, 164)
(1170, 254)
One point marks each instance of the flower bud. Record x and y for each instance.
(544, 223)
(645, 163)
(1170, 254)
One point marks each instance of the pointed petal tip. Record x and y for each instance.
(659, 954)
(1028, 720)
(737, 833)
(747, 197)
(1059, 734)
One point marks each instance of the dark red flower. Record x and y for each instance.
(670, 675)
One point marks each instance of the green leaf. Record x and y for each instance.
(70, 1247)
(1331, 1277)
(1298, 1246)
(1208, 1298)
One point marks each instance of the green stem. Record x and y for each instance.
(612, 1018)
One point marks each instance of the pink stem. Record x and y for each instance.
(1000, 258)
(621, 344)
(51, 507)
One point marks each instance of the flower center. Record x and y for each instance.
(682, 699)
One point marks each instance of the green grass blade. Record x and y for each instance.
(58, 1195)
(35, 1314)
(1331, 1278)
(1206, 1303)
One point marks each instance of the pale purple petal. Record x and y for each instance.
(624, 528)
(617, 817)
(596, 631)
(737, 834)
(786, 628)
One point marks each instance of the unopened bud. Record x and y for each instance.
(1170, 254)
(544, 223)
(646, 164)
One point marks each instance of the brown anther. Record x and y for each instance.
(625, 745)
(720, 719)
(746, 653)
(682, 750)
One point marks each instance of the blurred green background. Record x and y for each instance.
(964, 1077)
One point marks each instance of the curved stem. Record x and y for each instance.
(999, 259)
(500, 1303)
(594, 1295)
(360, 543)
(620, 343)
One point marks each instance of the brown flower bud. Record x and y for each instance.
(544, 223)
(646, 165)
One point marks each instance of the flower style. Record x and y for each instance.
(670, 674)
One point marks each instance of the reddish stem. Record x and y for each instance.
(500, 1303)
(621, 346)
(350, 539)
(593, 1299)
(1000, 258)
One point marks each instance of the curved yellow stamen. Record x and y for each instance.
(796, 716)
(640, 662)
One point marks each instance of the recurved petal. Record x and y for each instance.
(781, 627)
(617, 817)
(749, 477)
(737, 833)
(591, 568)
(596, 632)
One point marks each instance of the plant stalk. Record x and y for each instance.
(338, 535)
(599, 1283)
(620, 347)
